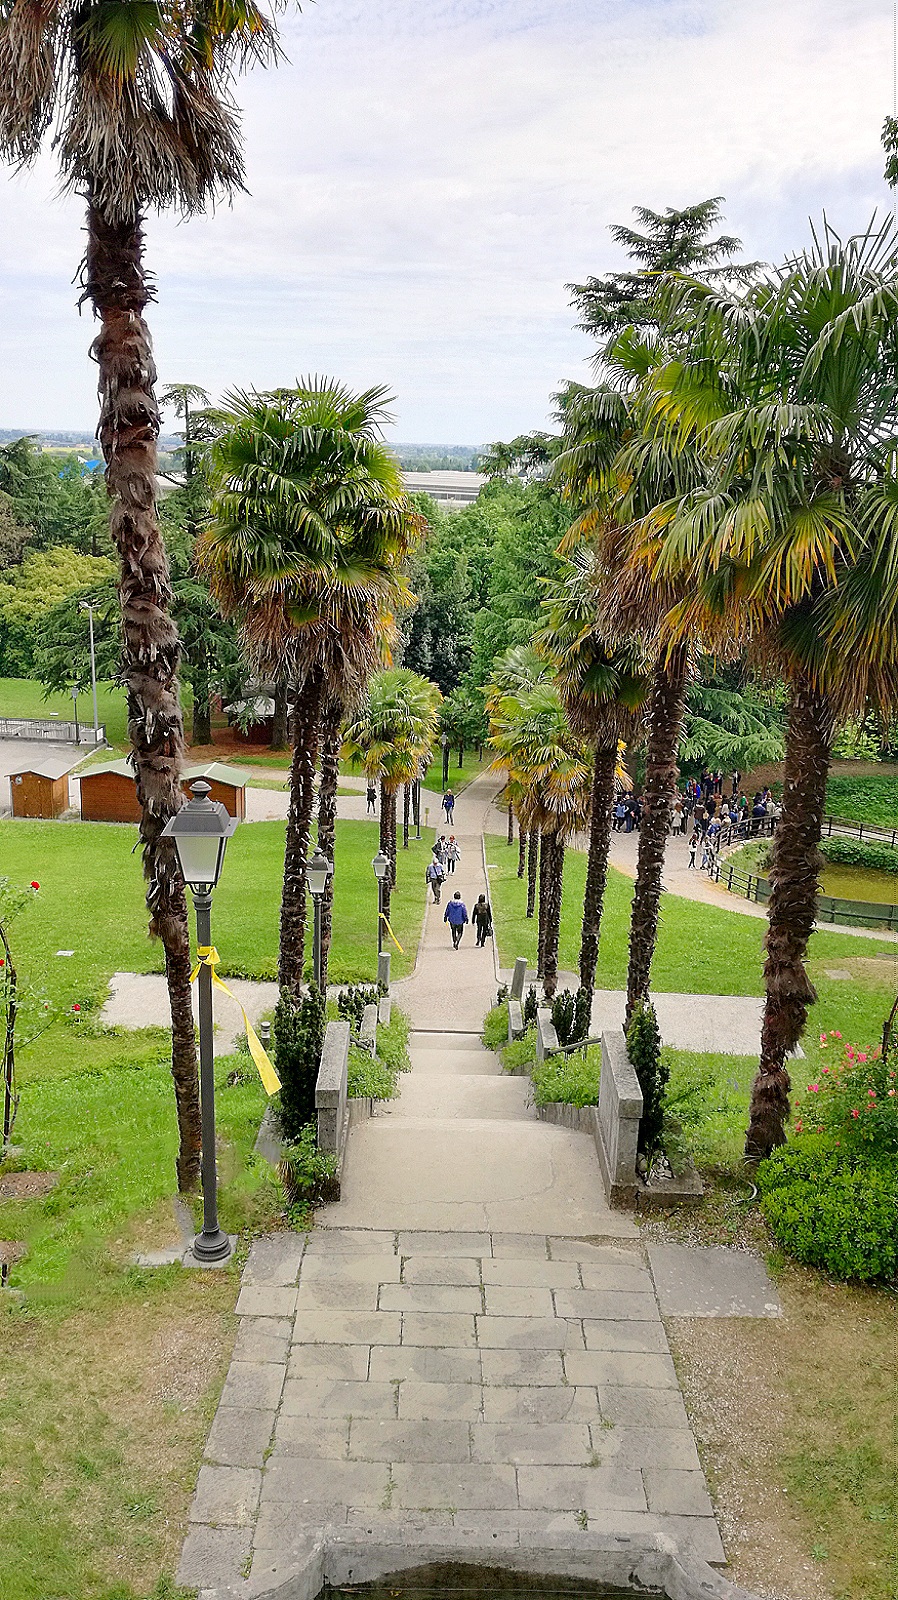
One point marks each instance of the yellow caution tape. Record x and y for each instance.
(383, 918)
(208, 956)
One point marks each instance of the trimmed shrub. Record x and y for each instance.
(563, 1016)
(644, 1050)
(351, 1003)
(873, 854)
(298, 1042)
(831, 1209)
(530, 1007)
(582, 1013)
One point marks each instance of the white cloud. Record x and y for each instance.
(425, 178)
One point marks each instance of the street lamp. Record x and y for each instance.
(90, 607)
(381, 865)
(75, 693)
(200, 831)
(318, 871)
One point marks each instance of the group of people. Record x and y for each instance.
(444, 858)
(704, 806)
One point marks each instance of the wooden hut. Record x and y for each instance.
(109, 793)
(227, 784)
(42, 789)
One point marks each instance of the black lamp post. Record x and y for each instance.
(200, 832)
(318, 871)
(381, 865)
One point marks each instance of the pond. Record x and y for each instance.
(478, 1583)
(860, 883)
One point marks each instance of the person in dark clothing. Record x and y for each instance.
(482, 919)
(456, 914)
(435, 875)
(449, 805)
(371, 796)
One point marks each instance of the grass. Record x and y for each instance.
(92, 901)
(25, 697)
(701, 949)
(378, 1076)
(873, 800)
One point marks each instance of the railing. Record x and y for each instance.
(50, 729)
(860, 830)
(851, 913)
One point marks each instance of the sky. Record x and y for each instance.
(426, 176)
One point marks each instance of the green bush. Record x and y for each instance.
(644, 1050)
(521, 1052)
(305, 1171)
(351, 1003)
(831, 1209)
(495, 1026)
(568, 1080)
(377, 1077)
(877, 856)
(298, 1042)
(530, 1006)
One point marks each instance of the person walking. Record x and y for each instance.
(439, 849)
(482, 919)
(371, 796)
(453, 853)
(434, 875)
(737, 779)
(449, 805)
(456, 914)
(694, 843)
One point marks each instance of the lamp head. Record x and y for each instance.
(381, 865)
(200, 831)
(318, 870)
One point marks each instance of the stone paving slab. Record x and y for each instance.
(531, 1423)
(712, 1281)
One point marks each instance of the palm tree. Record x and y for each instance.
(535, 744)
(311, 525)
(516, 671)
(390, 739)
(793, 547)
(139, 101)
(601, 688)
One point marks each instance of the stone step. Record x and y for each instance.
(453, 1063)
(446, 1096)
(430, 1039)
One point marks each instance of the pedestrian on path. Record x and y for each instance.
(456, 914)
(482, 919)
(434, 875)
(449, 805)
(371, 795)
(453, 853)
(694, 843)
(439, 849)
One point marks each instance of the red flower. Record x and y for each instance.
(34, 884)
(76, 1008)
(2, 962)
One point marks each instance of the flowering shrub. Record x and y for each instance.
(853, 1098)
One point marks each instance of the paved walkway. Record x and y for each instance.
(467, 1348)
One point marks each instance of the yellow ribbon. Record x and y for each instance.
(383, 918)
(207, 956)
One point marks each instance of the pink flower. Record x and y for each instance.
(823, 1041)
(871, 1093)
(798, 1127)
(891, 1094)
(826, 1069)
(855, 1113)
(813, 1087)
(835, 1035)
(862, 1056)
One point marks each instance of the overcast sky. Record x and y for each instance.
(426, 176)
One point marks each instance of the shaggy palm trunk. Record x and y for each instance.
(306, 720)
(279, 729)
(327, 818)
(115, 284)
(545, 867)
(388, 841)
(554, 885)
(522, 851)
(532, 869)
(510, 833)
(666, 707)
(791, 910)
(406, 809)
(601, 807)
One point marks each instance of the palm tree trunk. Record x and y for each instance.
(406, 808)
(545, 867)
(522, 851)
(791, 911)
(327, 818)
(115, 284)
(279, 729)
(666, 709)
(510, 834)
(554, 885)
(388, 843)
(601, 807)
(306, 719)
(201, 732)
(532, 869)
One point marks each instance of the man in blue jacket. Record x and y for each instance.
(456, 914)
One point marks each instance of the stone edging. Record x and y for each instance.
(655, 1564)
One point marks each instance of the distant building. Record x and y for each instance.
(446, 488)
(42, 789)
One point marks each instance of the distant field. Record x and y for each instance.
(864, 799)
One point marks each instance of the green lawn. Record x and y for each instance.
(25, 697)
(873, 800)
(701, 949)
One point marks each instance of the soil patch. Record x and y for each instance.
(27, 1185)
(10, 1251)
